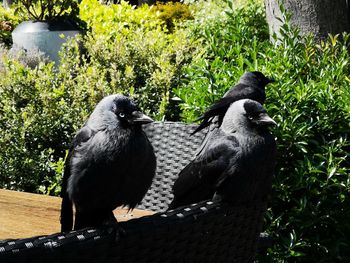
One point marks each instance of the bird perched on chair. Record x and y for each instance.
(111, 163)
(251, 85)
(237, 163)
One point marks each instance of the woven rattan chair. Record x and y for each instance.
(204, 232)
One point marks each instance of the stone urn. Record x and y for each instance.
(48, 37)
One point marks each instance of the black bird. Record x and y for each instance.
(251, 85)
(111, 163)
(236, 164)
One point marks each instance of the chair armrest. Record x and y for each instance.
(204, 232)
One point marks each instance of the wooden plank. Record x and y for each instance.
(25, 214)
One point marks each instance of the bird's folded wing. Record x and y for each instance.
(82, 136)
(200, 176)
(238, 92)
(212, 133)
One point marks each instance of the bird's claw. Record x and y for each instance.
(112, 227)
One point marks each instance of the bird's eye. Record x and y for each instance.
(121, 114)
(250, 117)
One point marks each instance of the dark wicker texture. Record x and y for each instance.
(174, 148)
(204, 232)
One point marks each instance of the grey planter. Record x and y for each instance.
(45, 36)
(6, 3)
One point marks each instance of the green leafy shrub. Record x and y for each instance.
(46, 10)
(171, 12)
(133, 53)
(37, 123)
(310, 206)
(230, 44)
(8, 22)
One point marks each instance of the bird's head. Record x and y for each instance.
(120, 109)
(246, 115)
(255, 77)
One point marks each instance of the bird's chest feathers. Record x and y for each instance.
(252, 147)
(112, 146)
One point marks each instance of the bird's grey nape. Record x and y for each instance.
(234, 119)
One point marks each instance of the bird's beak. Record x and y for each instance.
(265, 120)
(139, 117)
(271, 80)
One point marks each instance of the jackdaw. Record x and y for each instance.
(251, 85)
(236, 164)
(111, 163)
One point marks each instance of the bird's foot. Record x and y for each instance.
(113, 227)
(217, 198)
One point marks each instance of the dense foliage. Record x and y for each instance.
(46, 10)
(135, 52)
(8, 22)
(156, 54)
(310, 207)
(171, 12)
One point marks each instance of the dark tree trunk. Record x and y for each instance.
(319, 17)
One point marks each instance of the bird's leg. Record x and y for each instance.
(112, 225)
(82, 220)
(98, 218)
(217, 198)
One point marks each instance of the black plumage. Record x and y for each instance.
(236, 164)
(111, 163)
(251, 85)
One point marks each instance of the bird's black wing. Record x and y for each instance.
(82, 136)
(241, 91)
(198, 180)
(214, 115)
(219, 108)
(212, 132)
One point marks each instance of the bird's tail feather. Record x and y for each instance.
(202, 125)
(217, 109)
(66, 214)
